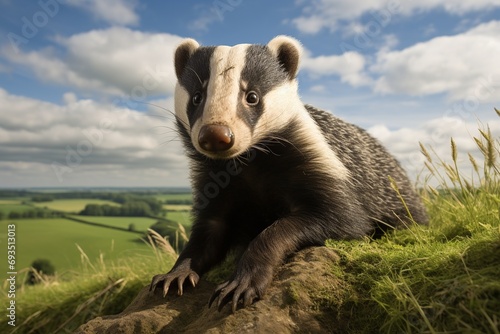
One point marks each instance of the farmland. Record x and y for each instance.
(72, 205)
(58, 239)
(9, 206)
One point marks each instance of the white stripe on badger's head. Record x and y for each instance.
(222, 95)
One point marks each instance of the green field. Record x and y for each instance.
(72, 205)
(9, 201)
(168, 197)
(177, 207)
(182, 217)
(14, 206)
(56, 240)
(141, 223)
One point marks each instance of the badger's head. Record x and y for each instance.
(228, 99)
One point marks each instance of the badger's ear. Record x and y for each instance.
(288, 51)
(182, 54)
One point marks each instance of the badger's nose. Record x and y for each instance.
(215, 138)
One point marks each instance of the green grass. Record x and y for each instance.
(141, 223)
(57, 240)
(72, 205)
(60, 306)
(441, 278)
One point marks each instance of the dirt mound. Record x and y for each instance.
(297, 301)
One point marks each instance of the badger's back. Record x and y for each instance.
(371, 169)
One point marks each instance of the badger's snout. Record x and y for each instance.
(215, 138)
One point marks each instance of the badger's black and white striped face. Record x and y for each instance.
(230, 98)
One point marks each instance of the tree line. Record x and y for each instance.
(27, 214)
(142, 207)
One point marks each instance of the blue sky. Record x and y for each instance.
(78, 78)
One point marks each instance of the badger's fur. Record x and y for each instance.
(269, 173)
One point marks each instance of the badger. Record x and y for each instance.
(269, 174)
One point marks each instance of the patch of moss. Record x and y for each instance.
(292, 294)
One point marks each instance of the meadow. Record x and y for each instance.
(180, 216)
(69, 245)
(7, 206)
(174, 197)
(72, 205)
(441, 278)
(58, 240)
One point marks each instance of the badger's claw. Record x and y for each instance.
(180, 274)
(247, 286)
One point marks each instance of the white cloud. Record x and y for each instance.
(318, 89)
(115, 12)
(436, 135)
(215, 12)
(348, 66)
(111, 61)
(86, 143)
(202, 22)
(464, 66)
(329, 14)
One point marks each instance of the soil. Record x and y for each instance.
(298, 301)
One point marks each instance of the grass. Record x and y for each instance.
(59, 306)
(441, 278)
(72, 205)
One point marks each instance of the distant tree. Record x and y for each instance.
(132, 227)
(155, 205)
(29, 214)
(15, 215)
(179, 201)
(136, 209)
(92, 210)
(39, 268)
(131, 207)
(42, 198)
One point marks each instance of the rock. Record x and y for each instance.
(296, 302)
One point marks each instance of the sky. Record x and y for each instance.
(86, 86)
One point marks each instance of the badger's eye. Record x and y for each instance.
(197, 98)
(252, 98)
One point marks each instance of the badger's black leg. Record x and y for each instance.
(255, 269)
(207, 246)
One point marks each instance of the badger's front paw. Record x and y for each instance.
(178, 273)
(247, 285)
